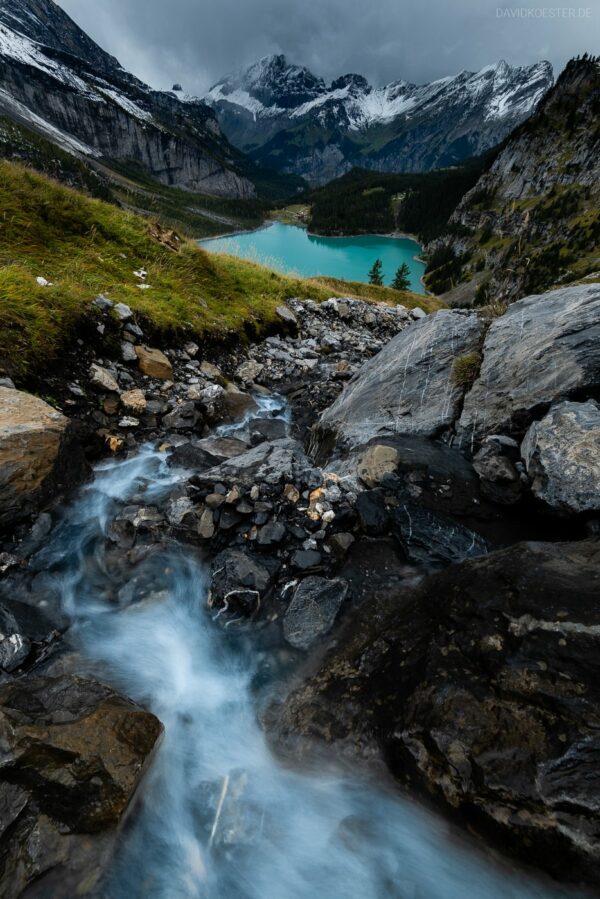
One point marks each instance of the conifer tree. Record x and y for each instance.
(402, 278)
(376, 274)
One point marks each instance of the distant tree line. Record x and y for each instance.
(366, 202)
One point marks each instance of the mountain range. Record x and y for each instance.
(289, 119)
(57, 82)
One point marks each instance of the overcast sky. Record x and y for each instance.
(197, 41)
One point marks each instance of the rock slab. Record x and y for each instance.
(313, 609)
(408, 387)
(543, 349)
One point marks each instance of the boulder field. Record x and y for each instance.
(401, 510)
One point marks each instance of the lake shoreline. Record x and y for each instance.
(269, 223)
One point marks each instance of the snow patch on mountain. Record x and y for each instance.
(21, 113)
(268, 88)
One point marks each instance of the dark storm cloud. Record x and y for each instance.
(197, 41)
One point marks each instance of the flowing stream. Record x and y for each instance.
(219, 816)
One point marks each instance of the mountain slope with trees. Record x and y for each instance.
(532, 221)
(365, 202)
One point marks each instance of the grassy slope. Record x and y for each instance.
(194, 214)
(85, 247)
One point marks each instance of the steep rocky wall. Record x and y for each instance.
(113, 133)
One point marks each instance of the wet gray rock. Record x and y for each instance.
(500, 480)
(408, 387)
(73, 753)
(562, 456)
(271, 463)
(314, 607)
(184, 417)
(432, 540)
(201, 455)
(271, 533)
(544, 348)
(306, 559)
(239, 582)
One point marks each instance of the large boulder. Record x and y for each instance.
(482, 687)
(562, 456)
(72, 754)
(38, 454)
(410, 387)
(544, 348)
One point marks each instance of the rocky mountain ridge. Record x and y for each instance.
(531, 221)
(287, 117)
(58, 82)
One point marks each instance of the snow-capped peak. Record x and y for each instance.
(272, 87)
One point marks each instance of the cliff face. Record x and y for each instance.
(532, 220)
(286, 117)
(54, 79)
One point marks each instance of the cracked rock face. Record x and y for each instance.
(543, 349)
(562, 455)
(481, 685)
(408, 387)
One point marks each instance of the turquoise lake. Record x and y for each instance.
(291, 249)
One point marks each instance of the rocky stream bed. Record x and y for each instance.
(331, 575)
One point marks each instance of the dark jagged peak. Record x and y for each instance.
(45, 22)
(352, 81)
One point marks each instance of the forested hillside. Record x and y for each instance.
(366, 202)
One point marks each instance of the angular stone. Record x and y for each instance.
(239, 582)
(287, 316)
(315, 604)
(128, 353)
(154, 363)
(562, 456)
(123, 312)
(102, 380)
(267, 462)
(271, 533)
(249, 371)
(432, 540)
(499, 478)
(206, 525)
(134, 401)
(73, 753)
(236, 402)
(306, 559)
